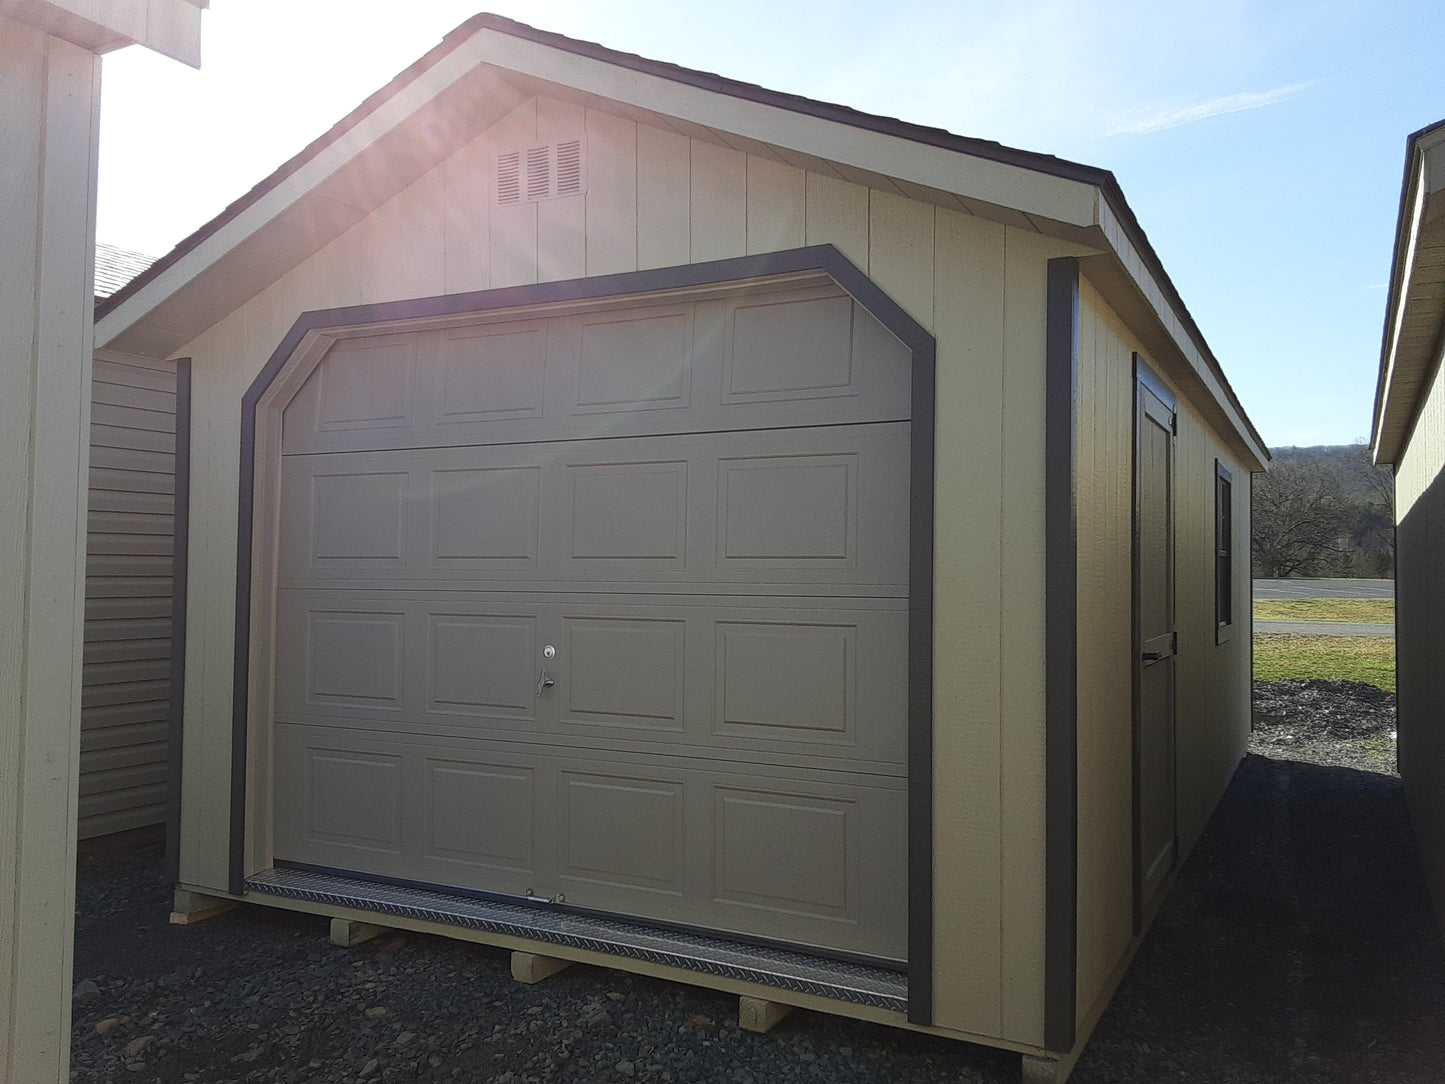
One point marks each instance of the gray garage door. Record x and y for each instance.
(607, 606)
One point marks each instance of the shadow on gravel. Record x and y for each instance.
(1297, 947)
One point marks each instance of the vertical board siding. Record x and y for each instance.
(968, 593)
(1212, 694)
(1105, 719)
(900, 252)
(423, 256)
(718, 215)
(1420, 629)
(837, 214)
(563, 224)
(611, 204)
(777, 200)
(656, 198)
(1021, 635)
(125, 709)
(512, 236)
(664, 181)
(466, 218)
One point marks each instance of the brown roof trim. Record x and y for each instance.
(1102, 179)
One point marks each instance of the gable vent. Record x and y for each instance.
(539, 173)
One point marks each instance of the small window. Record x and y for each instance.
(1223, 553)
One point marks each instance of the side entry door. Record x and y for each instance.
(1155, 640)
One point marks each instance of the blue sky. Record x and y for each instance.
(1259, 142)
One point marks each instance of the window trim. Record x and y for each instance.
(1225, 619)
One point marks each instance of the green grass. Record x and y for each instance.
(1353, 658)
(1367, 610)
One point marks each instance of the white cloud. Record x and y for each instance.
(1156, 118)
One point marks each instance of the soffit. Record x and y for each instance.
(1415, 312)
(169, 27)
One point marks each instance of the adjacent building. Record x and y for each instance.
(1409, 435)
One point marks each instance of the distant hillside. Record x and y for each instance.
(1360, 479)
(1324, 510)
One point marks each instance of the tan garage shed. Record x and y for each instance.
(644, 518)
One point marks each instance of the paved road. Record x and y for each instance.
(1326, 628)
(1324, 588)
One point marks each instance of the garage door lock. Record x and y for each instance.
(532, 897)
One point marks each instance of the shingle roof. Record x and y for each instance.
(114, 267)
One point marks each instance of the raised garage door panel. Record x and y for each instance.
(791, 510)
(807, 860)
(773, 360)
(703, 508)
(816, 681)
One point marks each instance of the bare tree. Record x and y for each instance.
(1300, 519)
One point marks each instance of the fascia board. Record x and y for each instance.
(1030, 191)
(1038, 195)
(1118, 242)
(330, 161)
(169, 27)
(1422, 205)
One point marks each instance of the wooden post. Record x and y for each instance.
(197, 907)
(345, 932)
(528, 967)
(759, 1014)
(1043, 1069)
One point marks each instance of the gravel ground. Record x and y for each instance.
(1296, 947)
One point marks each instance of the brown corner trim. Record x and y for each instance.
(1061, 654)
(824, 258)
(180, 550)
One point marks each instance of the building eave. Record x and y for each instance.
(1411, 342)
(489, 65)
(169, 27)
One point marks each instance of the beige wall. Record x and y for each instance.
(978, 285)
(1212, 679)
(48, 114)
(1420, 629)
(655, 199)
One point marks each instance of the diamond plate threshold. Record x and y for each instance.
(777, 968)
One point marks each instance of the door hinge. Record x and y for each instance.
(532, 897)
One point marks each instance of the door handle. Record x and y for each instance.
(545, 681)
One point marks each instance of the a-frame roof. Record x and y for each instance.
(489, 65)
